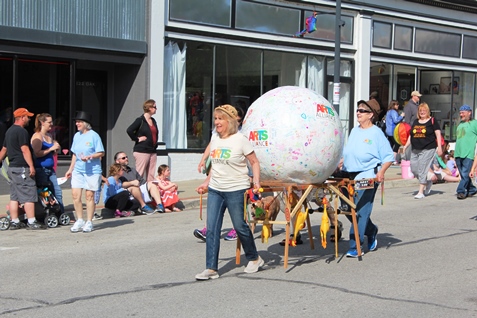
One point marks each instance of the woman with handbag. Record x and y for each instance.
(425, 134)
(144, 132)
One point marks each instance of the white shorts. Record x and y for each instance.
(145, 193)
(90, 182)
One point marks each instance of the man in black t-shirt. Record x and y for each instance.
(21, 171)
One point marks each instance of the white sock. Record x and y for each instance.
(31, 220)
(17, 220)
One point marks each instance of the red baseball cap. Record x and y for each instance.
(19, 112)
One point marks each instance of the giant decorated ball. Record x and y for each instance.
(296, 134)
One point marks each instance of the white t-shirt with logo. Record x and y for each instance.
(229, 165)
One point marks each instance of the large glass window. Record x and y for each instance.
(266, 18)
(382, 34)
(282, 69)
(403, 38)
(6, 89)
(325, 25)
(470, 47)
(214, 12)
(238, 76)
(199, 80)
(439, 43)
(44, 87)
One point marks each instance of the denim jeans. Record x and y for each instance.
(42, 176)
(364, 206)
(465, 185)
(217, 202)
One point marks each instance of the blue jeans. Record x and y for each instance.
(42, 176)
(465, 185)
(217, 202)
(364, 206)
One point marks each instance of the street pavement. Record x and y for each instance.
(144, 266)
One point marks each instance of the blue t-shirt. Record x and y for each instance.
(85, 145)
(113, 188)
(365, 149)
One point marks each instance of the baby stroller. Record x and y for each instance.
(47, 210)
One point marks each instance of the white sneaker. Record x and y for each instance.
(428, 187)
(77, 226)
(207, 274)
(253, 266)
(419, 196)
(88, 227)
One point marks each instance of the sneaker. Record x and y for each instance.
(200, 234)
(77, 226)
(147, 209)
(117, 214)
(428, 187)
(461, 196)
(353, 253)
(126, 213)
(159, 208)
(97, 217)
(207, 274)
(419, 196)
(253, 266)
(373, 241)
(231, 236)
(35, 226)
(88, 227)
(17, 226)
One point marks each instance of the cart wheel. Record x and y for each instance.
(4, 223)
(51, 221)
(64, 219)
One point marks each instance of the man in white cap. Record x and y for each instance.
(410, 110)
(21, 171)
(466, 138)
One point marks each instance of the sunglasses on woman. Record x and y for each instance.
(360, 110)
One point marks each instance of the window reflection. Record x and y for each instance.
(325, 25)
(470, 47)
(438, 43)
(403, 38)
(214, 12)
(382, 33)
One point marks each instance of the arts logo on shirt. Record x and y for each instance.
(419, 131)
(220, 155)
(88, 144)
(258, 138)
(324, 111)
(368, 141)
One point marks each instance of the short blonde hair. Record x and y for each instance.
(114, 169)
(426, 107)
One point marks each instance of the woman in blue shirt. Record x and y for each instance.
(117, 198)
(367, 149)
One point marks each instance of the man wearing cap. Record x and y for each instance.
(21, 171)
(410, 110)
(466, 138)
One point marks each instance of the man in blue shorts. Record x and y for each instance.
(21, 171)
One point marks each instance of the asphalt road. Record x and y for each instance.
(144, 266)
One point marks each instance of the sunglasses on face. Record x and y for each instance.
(122, 158)
(361, 110)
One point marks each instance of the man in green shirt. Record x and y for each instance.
(465, 152)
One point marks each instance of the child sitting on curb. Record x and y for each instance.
(167, 189)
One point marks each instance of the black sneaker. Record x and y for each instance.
(36, 226)
(17, 226)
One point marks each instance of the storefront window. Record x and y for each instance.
(213, 12)
(6, 89)
(238, 76)
(44, 87)
(403, 38)
(282, 69)
(438, 43)
(382, 34)
(267, 19)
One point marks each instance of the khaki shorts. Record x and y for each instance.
(22, 186)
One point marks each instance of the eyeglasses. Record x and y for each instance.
(360, 110)
(154, 107)
(123, 158)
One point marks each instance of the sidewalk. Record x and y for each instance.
(190, 199)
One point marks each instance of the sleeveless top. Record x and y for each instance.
(47, 160)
